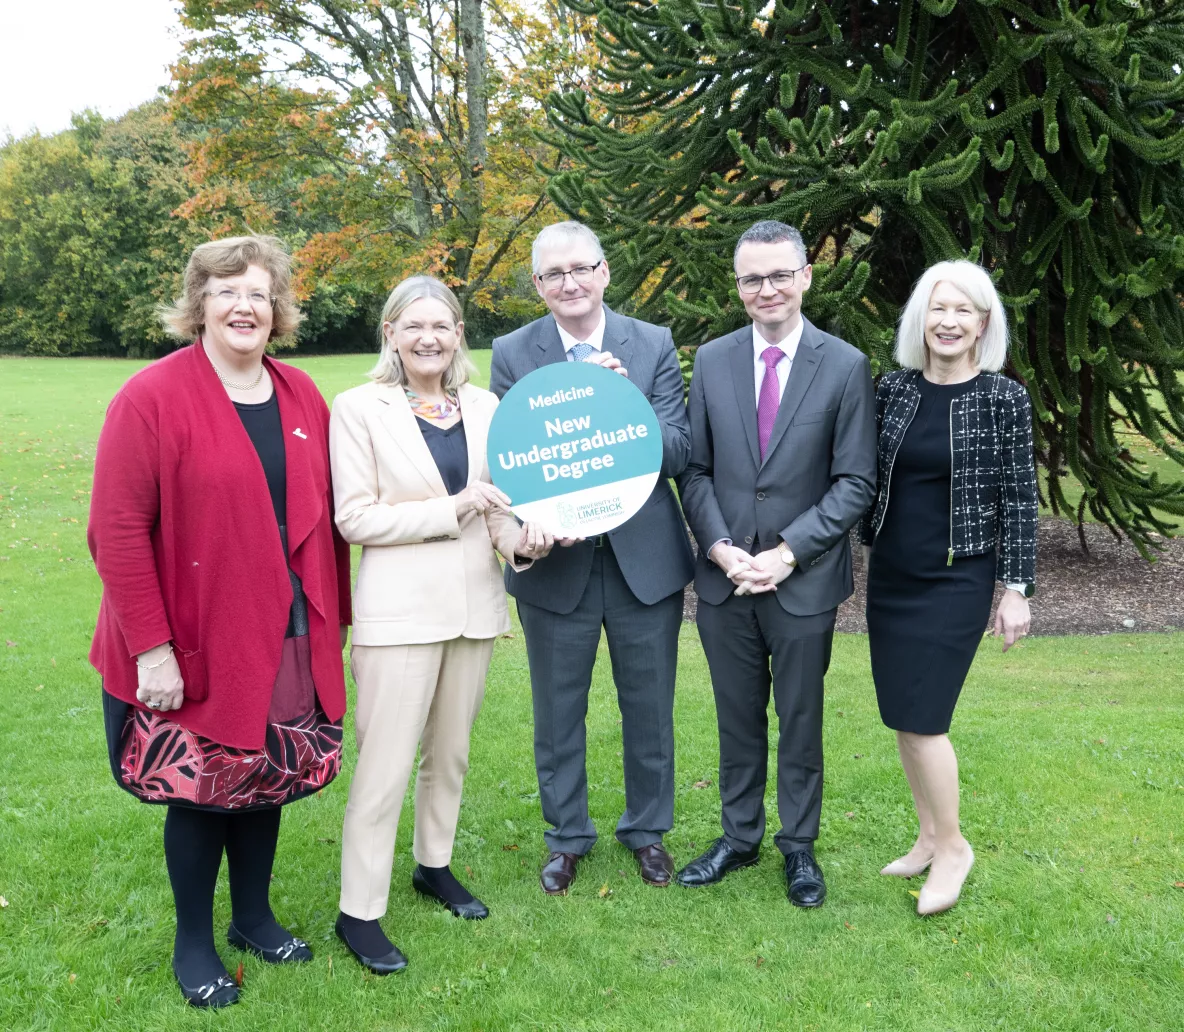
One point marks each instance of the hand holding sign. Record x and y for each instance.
(576, 447)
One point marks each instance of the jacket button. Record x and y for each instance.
(748, 540)
(760, 496)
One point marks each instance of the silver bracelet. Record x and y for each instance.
(153, 666)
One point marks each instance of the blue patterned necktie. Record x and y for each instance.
(579, 352)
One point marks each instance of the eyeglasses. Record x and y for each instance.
(582, 274)
(256, 298)
(778, 280)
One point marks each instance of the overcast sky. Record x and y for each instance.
(60, 56)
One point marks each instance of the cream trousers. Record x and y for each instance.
(408, 695)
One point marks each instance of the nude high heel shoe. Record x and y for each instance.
(930, 902)
(901, 869)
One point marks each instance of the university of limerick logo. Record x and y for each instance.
(566, 514)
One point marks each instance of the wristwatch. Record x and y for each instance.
(787, 556)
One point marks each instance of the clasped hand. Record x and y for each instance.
(480, 497)
(752, 574)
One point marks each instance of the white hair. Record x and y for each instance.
(975, 282)
(562, 233)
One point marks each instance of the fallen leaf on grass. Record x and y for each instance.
(468, 870)
(858, 756)
(701, 784)
(849, 814)
(1175, 885)
(73, 978)
(511, 848)
(915, 893)
(847, 924)
(605, 891)
(759, 961)
(38, 688)
(238, 974)
(3, 902)
(330, 967)
(10, 644)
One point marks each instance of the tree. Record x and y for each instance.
(401, 133)
(88, 244)
(1044, 139)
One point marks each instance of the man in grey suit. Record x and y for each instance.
(629, 581)
(783, 464)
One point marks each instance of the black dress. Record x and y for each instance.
(158, 761)
(926, 613)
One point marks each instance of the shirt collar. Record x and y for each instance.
(788, 344)
(595, 338)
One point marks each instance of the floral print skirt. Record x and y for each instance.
(159, 761)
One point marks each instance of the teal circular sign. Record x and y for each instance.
(576, 447)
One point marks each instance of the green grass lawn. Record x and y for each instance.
(1072, 756)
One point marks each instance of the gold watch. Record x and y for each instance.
(787, 556)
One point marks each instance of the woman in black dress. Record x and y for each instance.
(955, 511)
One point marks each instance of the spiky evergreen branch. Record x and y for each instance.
(1044, 139)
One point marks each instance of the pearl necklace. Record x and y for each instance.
(239, 386)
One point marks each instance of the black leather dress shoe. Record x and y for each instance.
(294, 951)
(804, 879)
(384, 965)
(719, 859)
(474, 910)
(221, 992)
(558, 873)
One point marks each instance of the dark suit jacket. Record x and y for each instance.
(652, 547)
(819, 473)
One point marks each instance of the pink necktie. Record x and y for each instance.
(770, 398)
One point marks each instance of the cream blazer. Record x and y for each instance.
(424, 575)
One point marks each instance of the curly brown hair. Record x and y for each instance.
(185, 317)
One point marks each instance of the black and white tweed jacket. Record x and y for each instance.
(993, 481)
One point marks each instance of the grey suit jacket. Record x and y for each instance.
(819, 473)
(651, 548)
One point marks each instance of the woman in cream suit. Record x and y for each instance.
(411, 486)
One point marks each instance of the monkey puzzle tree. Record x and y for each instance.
(1044, 139)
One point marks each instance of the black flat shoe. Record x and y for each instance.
(474, 910)
(719, 860)
(387, 964)
(221, 992)
(803, 876)
(294, 951)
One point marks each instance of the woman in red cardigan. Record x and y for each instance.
(225, 599)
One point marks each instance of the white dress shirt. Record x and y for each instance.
(788, 344)
(595, 339)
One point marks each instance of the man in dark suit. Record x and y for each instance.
(629, 581)
(783, 464)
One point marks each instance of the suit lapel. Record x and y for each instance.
(547, 341)
(476, 430)
(801, 375)
(399, 420)
(616, 337)
(744, 381)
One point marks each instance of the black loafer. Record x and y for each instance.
(719, 860)
(294, 951)
(803, 876)
(221, 992)
(387, 965)
(474, 910)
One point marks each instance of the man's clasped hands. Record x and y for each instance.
(752, 574)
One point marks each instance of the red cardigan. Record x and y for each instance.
(184, 539)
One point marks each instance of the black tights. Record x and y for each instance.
(193, 844)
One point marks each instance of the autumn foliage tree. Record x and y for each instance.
(1044, 139)
(382, 139)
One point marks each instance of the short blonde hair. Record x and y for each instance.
(389, 368)
(975, 282)
(185, 317)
